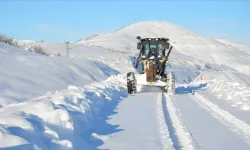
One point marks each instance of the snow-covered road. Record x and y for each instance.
(155, 120)
(207, 130)
(150, 119)
(139, 124)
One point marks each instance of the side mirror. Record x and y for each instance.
(138, 38)
(167, 45)
(138, 45)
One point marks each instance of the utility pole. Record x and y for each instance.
(67, 48)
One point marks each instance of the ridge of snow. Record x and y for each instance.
(237, 94)
(25, 75)
(61, 119)
(9, 49)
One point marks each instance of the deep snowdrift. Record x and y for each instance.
(25, 75)
(63, 119)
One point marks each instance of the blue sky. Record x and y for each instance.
(55, 20)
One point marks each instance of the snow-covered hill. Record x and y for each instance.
(236, 45)
(184, 41)
(25, 75)
(110, 57)
(75, 50)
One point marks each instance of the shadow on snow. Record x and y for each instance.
(88, 131)
(189, 89)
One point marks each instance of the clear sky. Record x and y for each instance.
(60, 20)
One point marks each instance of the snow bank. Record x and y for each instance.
(24, 75)
(238, 95)
(62, 119)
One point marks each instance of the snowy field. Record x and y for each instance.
(81, 102)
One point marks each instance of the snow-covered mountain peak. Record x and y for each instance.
(153, 28)
(144, 29)
(183, 40)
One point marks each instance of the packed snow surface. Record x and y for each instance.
(81, 102)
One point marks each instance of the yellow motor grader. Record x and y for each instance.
(153, 55)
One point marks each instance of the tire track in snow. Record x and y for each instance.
(180, 137)
(233, 123)
(164, 133)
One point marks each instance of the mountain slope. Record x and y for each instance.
(236, 45)
(184, 41)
